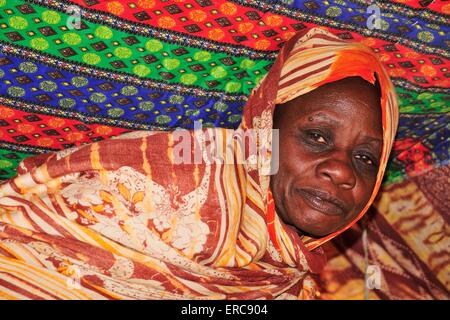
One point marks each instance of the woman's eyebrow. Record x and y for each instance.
(375, 143)
(323, 117)
(377, 140)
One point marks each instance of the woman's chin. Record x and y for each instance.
(313, 223)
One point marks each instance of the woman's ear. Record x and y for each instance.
(276, 116)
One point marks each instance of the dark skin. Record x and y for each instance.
(330, 146)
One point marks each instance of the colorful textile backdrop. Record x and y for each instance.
(145, 64)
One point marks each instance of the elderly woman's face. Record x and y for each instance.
(330, 146)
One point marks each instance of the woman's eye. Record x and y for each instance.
(365, 159)
(317, 140)
(317, 137)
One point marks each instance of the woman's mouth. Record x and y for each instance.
(323, 202)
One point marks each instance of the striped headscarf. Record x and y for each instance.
(124, 219)
(308, 60)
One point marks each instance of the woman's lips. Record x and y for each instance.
(323, 202)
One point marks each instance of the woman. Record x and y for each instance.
(125, 219)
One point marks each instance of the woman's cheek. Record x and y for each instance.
(362, 194)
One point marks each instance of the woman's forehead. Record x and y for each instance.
(336, 104)
(338, 96)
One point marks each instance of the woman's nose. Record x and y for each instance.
(339, 171)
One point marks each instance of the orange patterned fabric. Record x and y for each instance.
(123, 219)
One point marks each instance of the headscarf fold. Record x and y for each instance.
(123, 219)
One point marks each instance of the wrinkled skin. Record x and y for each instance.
(330, 146)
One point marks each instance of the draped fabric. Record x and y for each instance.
(124, 218)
